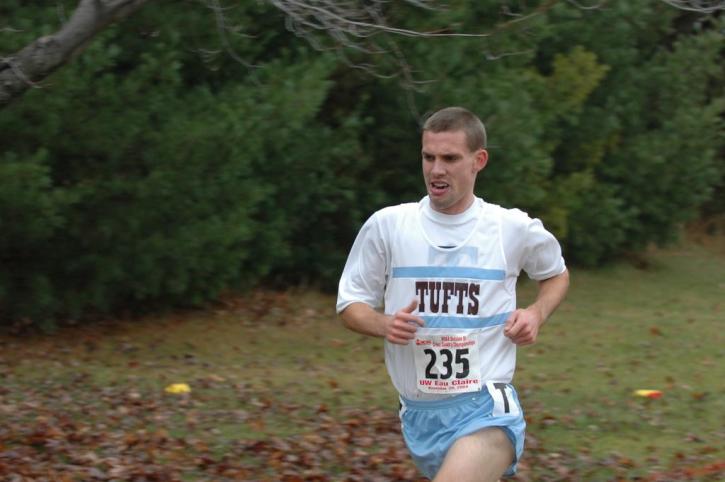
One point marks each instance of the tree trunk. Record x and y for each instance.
(36, 61)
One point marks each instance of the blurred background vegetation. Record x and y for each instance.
(174, 160)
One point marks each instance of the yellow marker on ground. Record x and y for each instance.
(178, 388)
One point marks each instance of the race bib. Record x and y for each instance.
(447, 362)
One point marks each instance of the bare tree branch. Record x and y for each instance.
(346, 20)
(222, 29)
(701, 6)
(358, 26)
(24, 69)
(351, 24)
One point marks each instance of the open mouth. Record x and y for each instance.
(438, 188)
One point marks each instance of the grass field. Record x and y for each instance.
(280, 391)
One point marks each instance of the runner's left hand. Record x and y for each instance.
(522, 327)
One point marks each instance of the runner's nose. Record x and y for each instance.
(438, 169)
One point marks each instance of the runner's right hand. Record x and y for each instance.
(401, 327)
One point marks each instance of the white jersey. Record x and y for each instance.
(462, 270)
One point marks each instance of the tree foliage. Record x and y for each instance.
(169, 163)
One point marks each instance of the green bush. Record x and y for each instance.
(149, 191)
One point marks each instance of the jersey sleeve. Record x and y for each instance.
(364, 276)
(531, 248)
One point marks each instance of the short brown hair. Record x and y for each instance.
(458, 119)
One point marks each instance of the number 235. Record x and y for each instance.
(460, 359)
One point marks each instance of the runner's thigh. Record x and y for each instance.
(480, 457)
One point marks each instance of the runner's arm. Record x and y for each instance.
(398, 328)
(523, 325)
(552, 292)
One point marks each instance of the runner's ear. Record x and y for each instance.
(481, 159)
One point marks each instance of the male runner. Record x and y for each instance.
(443, 271)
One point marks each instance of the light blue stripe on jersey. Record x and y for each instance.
(464, 321)
(448, 272)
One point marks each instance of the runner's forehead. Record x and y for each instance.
(444, 142)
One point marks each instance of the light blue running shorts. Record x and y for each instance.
(431, 427)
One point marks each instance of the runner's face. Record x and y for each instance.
(450, 169)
